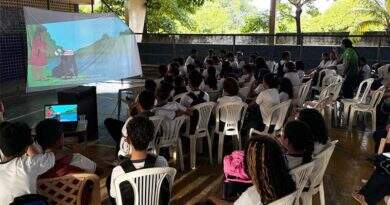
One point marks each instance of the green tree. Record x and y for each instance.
(284, 19)
(298, 12)
(378, 12)
(255, 23)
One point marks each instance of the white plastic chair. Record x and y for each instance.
(157, 120)
(214, 95)
(360, 97)
(367, 108)
(321, 76)
(277, 117)
(244, 92)
(287, 200)
(231, 113)
(316, 184)
(177, 98)
(302, 93)
(204, 110)
(146, 184)
(170, 137)
(301, 176)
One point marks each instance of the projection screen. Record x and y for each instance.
(67, 49)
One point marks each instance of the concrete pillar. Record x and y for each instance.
(135, 16)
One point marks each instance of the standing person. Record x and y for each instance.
(349, 67)
(280, 67)
(269, 173)
(209, 56)
(38, 54)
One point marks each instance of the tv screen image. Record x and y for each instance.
(63, 113)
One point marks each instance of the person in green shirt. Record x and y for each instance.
(349, 60)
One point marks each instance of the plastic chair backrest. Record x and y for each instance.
(146, 184)
(287, 200)
(157, 120)
(361, 95)
(178, 97)
(278, 115)
(214, 95)
(305, 92)
(325, 92)
(377, 97)
(335, 91)
(321, 162)
(230, 113)
(301, 176)
(170, 131)
(204, 110)
(321, 75)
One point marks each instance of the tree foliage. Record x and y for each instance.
(378, 12)
(255, 23)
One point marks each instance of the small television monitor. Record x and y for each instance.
(63, 113)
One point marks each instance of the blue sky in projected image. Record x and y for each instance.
(78, 34)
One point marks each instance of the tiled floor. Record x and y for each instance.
(346, 169)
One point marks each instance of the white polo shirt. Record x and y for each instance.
(19, 176)
(250, 197)
(186, 100)
(293, 77)
(266, 100)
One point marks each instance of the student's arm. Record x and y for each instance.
(40, 163)
(117, 171)
(32, 150)
(219, 201)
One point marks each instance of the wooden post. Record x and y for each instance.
(271, 25)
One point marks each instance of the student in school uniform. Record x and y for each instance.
(191, 60)
(162, 70)
(247, 79)
(269, 97)
(166, 108)
(280, 66)
(292, 74)
(50, 135)
(195, 95)
(286, 90)
(140, 134)
(22, 165)
(211, 81)
(230, 91)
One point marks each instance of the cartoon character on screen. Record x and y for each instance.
(67, 67)
(38, 54)
(49, 113)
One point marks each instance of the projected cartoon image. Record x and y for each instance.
(78, 50)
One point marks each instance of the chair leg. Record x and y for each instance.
(345, 112)
(373, 115)
(322, 194)
(239, 142)
(306, 198)
(180, 153)
(351, 119)
(220, 147)
(210, 148)
(193, 151)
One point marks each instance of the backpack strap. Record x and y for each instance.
(128, 166)
(192, 96)
(150, 161)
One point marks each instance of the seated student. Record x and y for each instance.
(300, 66)
(230, 91)
(247, 78)
(269, 97)
(211, 54)
(168, 109)
(19, 172)
(269, 173)
(261, 68)
(217, 64)
(211, 82)
(227, 70)
(286, 90)
(298, 140)
(192, 58)
(180, 86)
(230, 58)
(324, 61)
(162, 70)
(173, 70)
(195, 95)
(143, 106)
(316, 122)
(182, 66)
(140, 134)
(239, 58)
(332, 59)
(364, 69)
(280, 66)
(150, 85)
(292, 74)
(50, 135)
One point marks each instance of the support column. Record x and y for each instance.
(135, 16)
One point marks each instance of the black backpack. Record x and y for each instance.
(197, 99)
(30, 199)
(126, 188)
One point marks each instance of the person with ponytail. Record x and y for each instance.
(269, 173)
(299, 144)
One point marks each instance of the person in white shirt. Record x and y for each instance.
(230, 91)
(269, 97)
(279, 67)
(240, 60)
(247, 79)
(191, 60)
(292, 74)
(209, 56)
(182, 66)
(298, 140)
(211, 82)
(167, 109)
(162, 70)
(265, 160)
(22, 165)
(232, 61)
(332, 59)
(324, 61)
(140, 133)
(50, 135)
(316, 122)
(365, 69)
(195, 95)
(286, 90)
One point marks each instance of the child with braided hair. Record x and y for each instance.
(270, 175)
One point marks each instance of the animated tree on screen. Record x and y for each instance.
(79, 51)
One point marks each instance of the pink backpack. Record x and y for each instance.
(234, 168)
